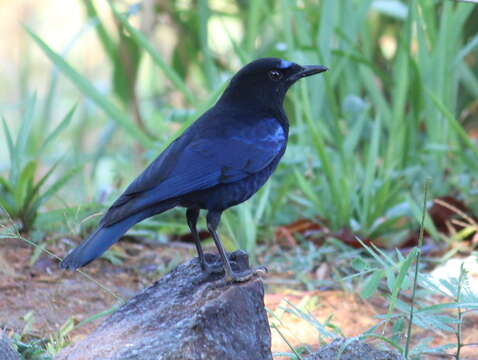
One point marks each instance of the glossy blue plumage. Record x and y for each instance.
(221, 160)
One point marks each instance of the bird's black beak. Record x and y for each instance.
(307, 70)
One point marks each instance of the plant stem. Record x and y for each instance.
(417, 265)
(460, 314)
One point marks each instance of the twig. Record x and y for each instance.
(16, 234)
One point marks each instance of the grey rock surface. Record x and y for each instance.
(6, 350)
(352, 349)
(186, 316)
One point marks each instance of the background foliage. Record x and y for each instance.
(396, 107)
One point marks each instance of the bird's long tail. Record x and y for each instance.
(103, 237)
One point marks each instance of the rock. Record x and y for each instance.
(352, 349)
(186, 316)
(6, 348)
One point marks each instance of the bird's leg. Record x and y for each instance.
(192, 215)
(213, 218)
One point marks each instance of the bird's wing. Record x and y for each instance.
(199, 164)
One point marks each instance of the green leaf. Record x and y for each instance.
(8, 135)
(85, 86)
(253, 21)
(370, 170)
(453, 123)
(17, 157)
(58, 130)
(240, 53)
(203, 107)
(401, 277)
(307, 188)
(36, 189)
(371, 284)
(25, 126)
(264, 197)
(125, 68)
(21, 187)
(359, 264)
(7, 202)
(11, 152)
(105, 39)
(390, 275)
(55, 187)
(209, 67)
(144, 43)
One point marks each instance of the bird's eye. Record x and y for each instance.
(275, 75)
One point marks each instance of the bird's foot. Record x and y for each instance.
(215, 268)
(243, 276)
(209, 271)
(236, 270)
(215, 271)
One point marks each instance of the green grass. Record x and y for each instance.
(23, 191)
(372, 128)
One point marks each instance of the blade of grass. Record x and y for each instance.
(59, 129)
(253, 19)
(21, 186)
(209, 67)
(146, 45)
(417, 265)
(453, 122)
(53, 189)
(19, 153)
(10, 143)
(370, 170)
(25, 127)
(106, 40)
(85, 86)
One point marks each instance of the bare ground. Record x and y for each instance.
(54, 296)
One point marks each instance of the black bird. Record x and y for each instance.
(220, 161)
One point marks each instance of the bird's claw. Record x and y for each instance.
(217, 268)
(211, 269)
(243, 276)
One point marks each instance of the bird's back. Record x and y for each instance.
(225, 145)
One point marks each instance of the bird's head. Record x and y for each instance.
(267, 80)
